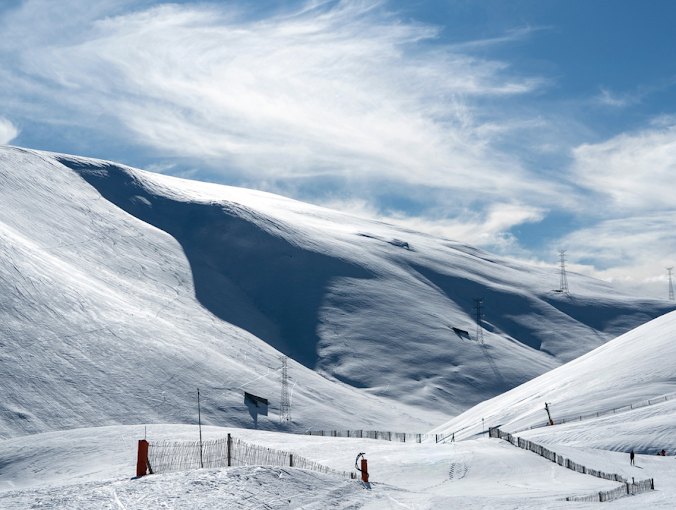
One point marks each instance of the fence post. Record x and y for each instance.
(229, 450)
(291, 460)
(142, 462)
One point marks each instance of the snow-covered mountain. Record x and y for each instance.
(121, 291)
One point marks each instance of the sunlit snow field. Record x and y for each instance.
(93, 468)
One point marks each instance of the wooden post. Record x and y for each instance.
(229, 451)
(291, 460)
(199, 421)
(142, 462)
(364, 471)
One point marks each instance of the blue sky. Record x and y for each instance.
(522, 126)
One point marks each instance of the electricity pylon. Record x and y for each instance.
(564, 280)
(479, 315)
(285, 407)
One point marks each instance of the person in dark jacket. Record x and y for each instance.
(631, 458)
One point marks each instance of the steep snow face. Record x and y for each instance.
(633, 368)
(122, 291)
(99, 324)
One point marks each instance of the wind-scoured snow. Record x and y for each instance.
(122, 291)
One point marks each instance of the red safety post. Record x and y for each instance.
(142, 463)
(364, 471)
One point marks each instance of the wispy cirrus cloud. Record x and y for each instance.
(330, 88)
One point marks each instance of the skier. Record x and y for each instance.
(631, 458)
(664, 454)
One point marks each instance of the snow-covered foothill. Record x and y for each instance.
(630, 370)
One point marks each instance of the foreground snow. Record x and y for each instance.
(91, 469)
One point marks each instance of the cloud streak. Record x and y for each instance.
(331, 89)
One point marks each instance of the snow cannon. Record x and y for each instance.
(551, 422)
(363, 469)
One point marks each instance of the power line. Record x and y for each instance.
(285, 408)
(671, 285)
(479, 316)
(564, 279)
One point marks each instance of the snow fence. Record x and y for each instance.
(166, 457)
(622, 490)
(599, 414)
(401, 437)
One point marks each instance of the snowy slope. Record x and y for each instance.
(121, 291)
(635, 367)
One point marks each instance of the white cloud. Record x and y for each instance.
(341, 89)
(608, 98)
(488, 228)
(8, 131)
(635, 172)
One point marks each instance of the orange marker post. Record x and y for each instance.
(142, 463)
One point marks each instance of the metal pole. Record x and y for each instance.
(199, 421)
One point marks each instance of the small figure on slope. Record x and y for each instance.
(631, 458)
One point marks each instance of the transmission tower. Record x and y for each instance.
(479, 316)
(285, 408)
(564, 280)
(671, 285)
